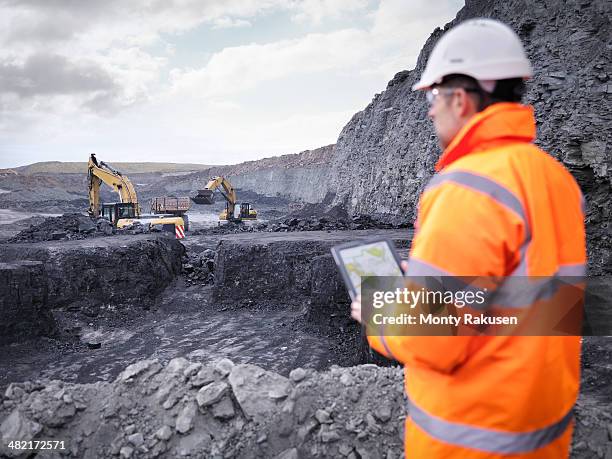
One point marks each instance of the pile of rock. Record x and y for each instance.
(77, 226)
(137, 228)
(227, 410)
(324, 217)
(215, 410)
(199, 268)
(325, 223)
(230, 228)
(65, 227)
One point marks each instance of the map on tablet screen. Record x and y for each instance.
(365, 260)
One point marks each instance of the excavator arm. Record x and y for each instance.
(206, 196)
(226, 189)
(97, 173)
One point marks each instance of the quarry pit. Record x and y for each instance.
(134, 328)
(103, 303)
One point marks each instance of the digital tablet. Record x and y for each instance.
(357, 260)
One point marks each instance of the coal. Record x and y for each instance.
(199, 268)
(120, 269)
(24, 308)
(310, 218)
(65, 227)
(76, 226)
(285, 269)
(94, 344)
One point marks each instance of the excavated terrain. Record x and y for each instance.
(224, 345)
(274, 299)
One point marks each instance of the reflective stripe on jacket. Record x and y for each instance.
(498, 206)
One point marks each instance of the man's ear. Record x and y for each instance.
(465, 105)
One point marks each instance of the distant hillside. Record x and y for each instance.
(59, 167)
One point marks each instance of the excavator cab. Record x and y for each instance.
(247, 212)
(114, 212)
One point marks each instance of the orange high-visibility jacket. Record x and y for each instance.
(498, 206)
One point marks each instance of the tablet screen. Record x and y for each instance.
(373, 259)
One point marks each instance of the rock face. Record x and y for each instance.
(386, 153)
(23, 301)
(287, 270)
(293, 183)
(109, 269)
(300, 176)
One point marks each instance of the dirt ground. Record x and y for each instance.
(182, 322)
(95, 345)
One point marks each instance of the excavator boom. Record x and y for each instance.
(127, 212)
(99, 173)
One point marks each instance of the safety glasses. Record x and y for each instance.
(433, 93)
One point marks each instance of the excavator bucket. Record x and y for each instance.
(204, 197)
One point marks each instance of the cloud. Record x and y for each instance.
(401, 27)
(315, 11)
(43, 74)
(229, 23)
(116, 76)
(70, 47)
(391, 44)
(241, 68)
(103, 84)
(88, 28)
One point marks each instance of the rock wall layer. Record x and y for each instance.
(115, 270)
(23, 301)
(299, 183)
(387, 151)
(288, 270)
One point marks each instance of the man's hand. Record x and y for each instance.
(356, 305)
(356, 309)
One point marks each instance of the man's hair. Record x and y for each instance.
(508, 90)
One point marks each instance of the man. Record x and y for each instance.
(497, 206)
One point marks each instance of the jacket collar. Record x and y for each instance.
(499, 123)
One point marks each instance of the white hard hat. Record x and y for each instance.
(483, 49)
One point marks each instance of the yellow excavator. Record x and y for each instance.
(206, 196)
(127, 211)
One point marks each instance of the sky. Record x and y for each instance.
(196, 81)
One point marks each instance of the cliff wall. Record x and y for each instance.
(387, 151)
